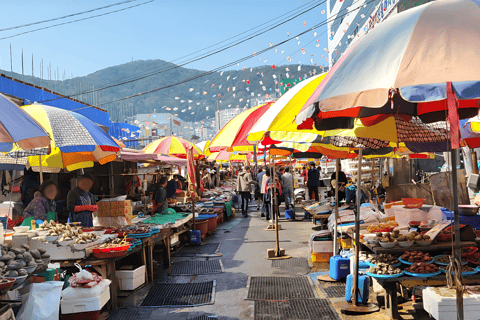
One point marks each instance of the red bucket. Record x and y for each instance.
(202, 225)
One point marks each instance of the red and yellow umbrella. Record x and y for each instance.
(173, 146)
(233, 136)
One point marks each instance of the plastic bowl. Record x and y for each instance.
(423, 243)
(23, 229)
(414, 224)
(405, 244)
(388, 245)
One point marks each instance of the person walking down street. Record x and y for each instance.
(258, 193)
(313, 181)
(244, 180)
(288, 188)
(272, 185)
(304, 174)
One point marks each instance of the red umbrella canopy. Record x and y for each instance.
(429, 68)
(233, 136)
(173, 146)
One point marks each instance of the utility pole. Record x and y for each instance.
(22, 65)
(218, 116)
(11, 66)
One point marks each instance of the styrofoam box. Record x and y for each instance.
(322, 246)
(131, 279)
(444, 308)
(85, 304)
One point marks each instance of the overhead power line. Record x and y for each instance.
(211, 53)
(231, 63)
(77, 20)
(67, 16)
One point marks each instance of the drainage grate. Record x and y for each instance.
(288, 263)
(180, 294)
(280, 288)
(335, 291)
(318, 309)
(209, 248)
(203, 317)
(131, 314)
(190, 268)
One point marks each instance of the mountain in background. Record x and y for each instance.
(199, 96)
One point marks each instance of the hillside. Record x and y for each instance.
(196, 100)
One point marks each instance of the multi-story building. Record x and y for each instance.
(226, 115)
(353, 18)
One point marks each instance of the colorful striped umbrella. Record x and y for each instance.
(233, 136)
(173, 146)
(17, 127)
(427, 66)
(280, 117)
(76, 142)
(225, 156)
(204, 147)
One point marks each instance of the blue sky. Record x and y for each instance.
(159, 30)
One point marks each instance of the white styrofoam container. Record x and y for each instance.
(85, 304)
(131, 279)
(444, 308)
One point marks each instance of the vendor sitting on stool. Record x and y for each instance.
(43, 202)
(81, 202)
(161, 203)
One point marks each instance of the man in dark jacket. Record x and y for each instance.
(313, 181)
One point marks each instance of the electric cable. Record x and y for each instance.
(77, 20)
(67, 16)
(227, 65)
(194, 60)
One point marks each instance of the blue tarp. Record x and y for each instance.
(115, 130)
(31, 94)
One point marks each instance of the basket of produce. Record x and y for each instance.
(384, 271)
(466, 270)
(383, 258)
(411, 257)
(423, 270)
(413, 203)
(444, 260)
(468, 251)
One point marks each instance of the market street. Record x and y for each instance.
(243, 245)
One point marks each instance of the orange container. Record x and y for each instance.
(321, 256)
(202, 225)
(212, 224)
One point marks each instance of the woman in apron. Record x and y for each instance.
(81, 202)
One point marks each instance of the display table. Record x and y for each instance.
(107, 268)
(390, 286)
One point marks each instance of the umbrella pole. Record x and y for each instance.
(458, 276)
(357, 228)
(335, 232)
(355, 308)
(255, 158)
(274, 202)
(41, 168)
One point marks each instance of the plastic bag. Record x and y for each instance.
(83, 275)
(43, 303)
